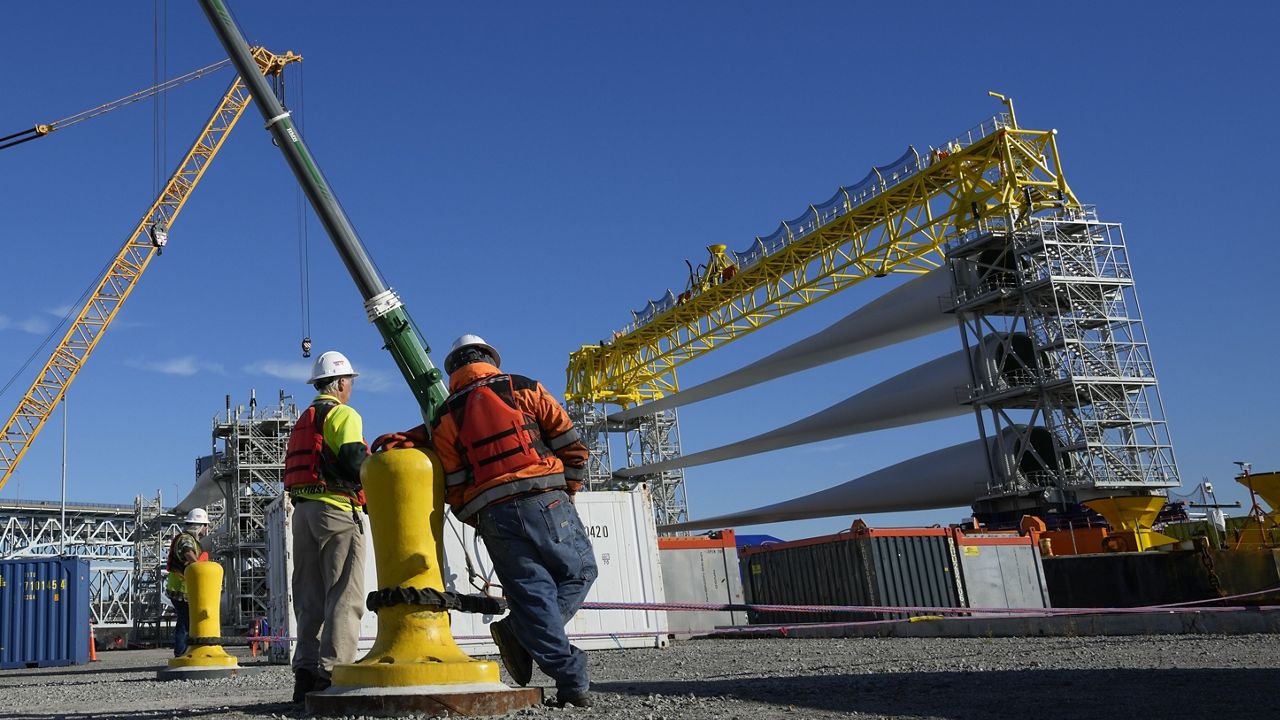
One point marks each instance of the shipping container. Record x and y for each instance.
(622, 534)
(701, 569)
(44, 612)
(904, 567)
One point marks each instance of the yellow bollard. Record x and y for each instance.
(1131, 519)
(414, 645)
(204, 593)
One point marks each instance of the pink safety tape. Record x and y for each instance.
(1192, 606)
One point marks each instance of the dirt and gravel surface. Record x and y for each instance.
(1190, 676)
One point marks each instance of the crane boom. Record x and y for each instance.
(123, 273)
(899, 219)
(383, 307)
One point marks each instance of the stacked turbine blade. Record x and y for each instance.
(949, 477)
(912, 310)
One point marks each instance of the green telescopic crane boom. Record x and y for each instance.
(381, 303)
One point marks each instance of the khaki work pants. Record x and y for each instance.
(328, 585)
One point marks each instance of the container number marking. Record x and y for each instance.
(598, 531)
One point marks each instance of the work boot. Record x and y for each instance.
(576, 698)
(304, 681)
(515, 658)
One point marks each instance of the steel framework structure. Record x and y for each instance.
(103, 533)
(899, 223)
(249, 468)
(1066, 282)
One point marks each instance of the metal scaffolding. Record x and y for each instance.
(647, 439)
(249, 470)
(1084, 419)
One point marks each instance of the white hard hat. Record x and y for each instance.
(330, 365)
(197, 516)
(467, 341)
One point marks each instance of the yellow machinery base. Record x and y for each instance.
(203, 662)
(210, 656)
(424, 672)
(1131, 519)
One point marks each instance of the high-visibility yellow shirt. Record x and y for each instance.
(343, 434)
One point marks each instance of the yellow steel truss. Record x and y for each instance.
(996, 170)
(122, 275)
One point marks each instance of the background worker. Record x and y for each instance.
(322, 478)
(184, 549)
(512, 462)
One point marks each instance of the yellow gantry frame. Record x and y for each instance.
(113, 289)
(998, 170)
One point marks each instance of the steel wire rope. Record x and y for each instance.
(304, 218)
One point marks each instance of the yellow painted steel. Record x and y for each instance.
(204, 593)
(122, 274)
(1131, 519)
(1261, 529)
(414, 644)
(1266, 486)
(998, 170)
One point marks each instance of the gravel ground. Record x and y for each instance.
(1189, 676)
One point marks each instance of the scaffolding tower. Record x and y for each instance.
(647, 439)
(249, 468)
(1083, 419)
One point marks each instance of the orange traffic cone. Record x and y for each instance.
(93, 645)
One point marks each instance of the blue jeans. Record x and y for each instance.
(542, 555)
(181, 626)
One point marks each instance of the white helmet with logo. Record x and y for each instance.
(197, 516)
(330, 365)
(464, 342)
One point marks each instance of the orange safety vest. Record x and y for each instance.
(306, 456)
(495, 437)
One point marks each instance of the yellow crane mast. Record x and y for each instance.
(898, 220)
(146, 240)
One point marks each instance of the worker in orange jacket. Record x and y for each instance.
(513, 463)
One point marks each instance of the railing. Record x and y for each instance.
(876, 183)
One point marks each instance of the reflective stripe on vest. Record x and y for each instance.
(495, 437)
(564, 439)
(507, 489)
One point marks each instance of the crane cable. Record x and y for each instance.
(159, 101)
(41, 130)
(304, 217)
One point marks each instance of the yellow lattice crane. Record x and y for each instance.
(897, 220)
(146, 240)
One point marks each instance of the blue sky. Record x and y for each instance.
(532, 171)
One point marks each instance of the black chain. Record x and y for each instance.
(1207, 560)
(443, 600)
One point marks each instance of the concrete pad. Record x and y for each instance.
(466, 700)
(204, 673)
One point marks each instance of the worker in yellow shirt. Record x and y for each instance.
(322, 478)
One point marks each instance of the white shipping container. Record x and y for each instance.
(626, 548)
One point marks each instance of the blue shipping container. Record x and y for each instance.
(44, 612)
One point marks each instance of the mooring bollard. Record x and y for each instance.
(205, 658)
(415, 664)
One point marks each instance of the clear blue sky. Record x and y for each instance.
(532, 171)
